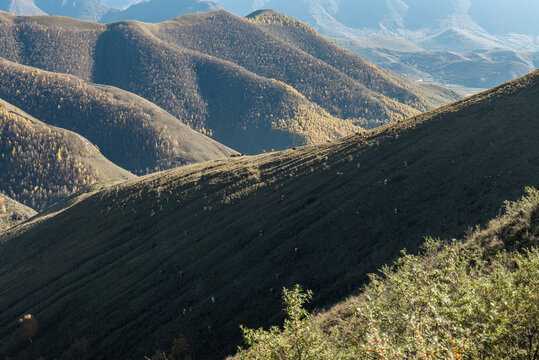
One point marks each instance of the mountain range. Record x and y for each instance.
(192, 253)
(163, 179)
(219, 82)
(461, 44)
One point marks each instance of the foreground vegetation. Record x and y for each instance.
(471, 299)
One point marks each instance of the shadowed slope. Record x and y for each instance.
(136, 264)
(132, 132)
(236, 107)
(41, 164)
(474, 298)
(13, 212)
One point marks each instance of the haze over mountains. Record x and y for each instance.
(196, 250)
(469, 44)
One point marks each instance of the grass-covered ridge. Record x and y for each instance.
(471, 299)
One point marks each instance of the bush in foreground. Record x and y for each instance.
(475, 299)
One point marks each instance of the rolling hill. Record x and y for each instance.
(13, 212)
(130, 131)
(248, 88)
(41, 164)
(194, 252)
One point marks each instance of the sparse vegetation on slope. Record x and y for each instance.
(41, 164)
(130, 131)
(13, 212)
(471, 299)
(194, 252)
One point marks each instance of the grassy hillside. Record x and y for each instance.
(13, 212)
(130, 131)
(41, 164)
(194, 252)
(474, 299)
(223, 75)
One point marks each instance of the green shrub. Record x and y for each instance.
(462, 300)
(299, 339)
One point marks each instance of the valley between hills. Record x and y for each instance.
(166, 187)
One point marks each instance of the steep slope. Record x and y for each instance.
(41, 164)
(13, 212)
(223, 35)
(158, 10)
(236, 107)
(221, 74)
(470, 298)
(130, 131)
(201, 249)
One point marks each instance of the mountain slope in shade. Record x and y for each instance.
(130, 131)
(41, 164)
(158, 10)
(221, 74)
(13, 212)
(197, 250)
(424, 294)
